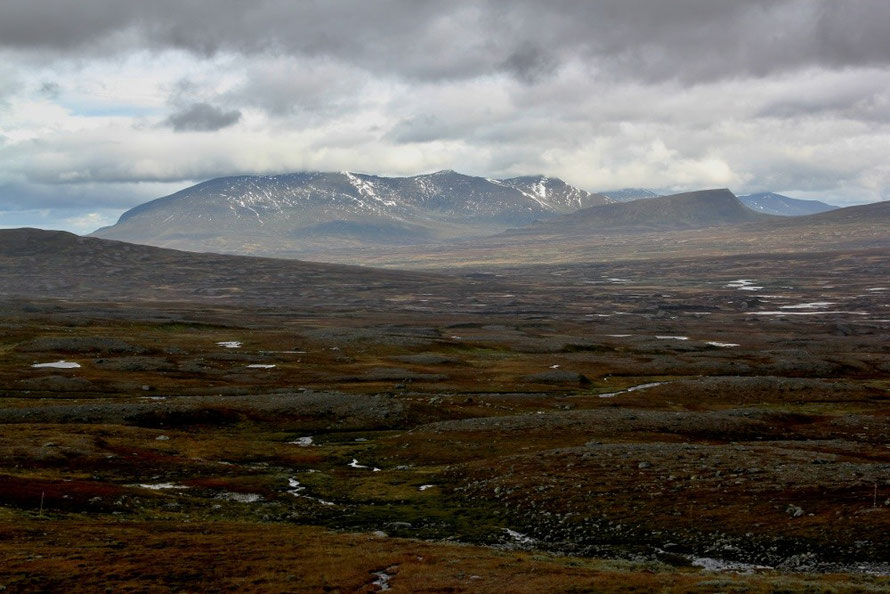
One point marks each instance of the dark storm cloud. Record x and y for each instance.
(530, 64)
(16, 195)
(284, 87)
(642, 39)
(680, 94)
(202, 117)
(50, 90)
(861, 103)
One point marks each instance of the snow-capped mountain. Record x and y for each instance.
(776, 204)
(555, 194)
(305, 212)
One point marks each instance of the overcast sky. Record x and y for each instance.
(105, 104)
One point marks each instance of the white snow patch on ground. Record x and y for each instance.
(302, 441)
(366, 189)
(230, 344)
(665, 337)
(632, 389)
(58, 365)
(161, 486)
(710, 564)
(619, 335)
(355, 464)
(260, 366)
(240, 497)
(296, 489)
(383, 577)
(723, 345)
(813, 305)
(878, 289)
(743, 284)
(805, 313)
(519, 537)
(425, 487)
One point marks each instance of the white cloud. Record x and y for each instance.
(88, 222)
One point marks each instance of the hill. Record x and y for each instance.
(777, 204)
(58, 264)
(689, 210)
(876, 213)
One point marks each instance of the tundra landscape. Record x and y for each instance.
(678, 424)
(444, 297)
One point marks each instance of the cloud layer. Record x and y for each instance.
(103, 101)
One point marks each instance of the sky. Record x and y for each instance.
(105, 104)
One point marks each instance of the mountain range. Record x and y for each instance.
(310, 212)
(351, 217)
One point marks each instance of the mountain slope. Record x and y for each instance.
(777, 204)
(689, 210)
(63, 265)
(308, 212)
(555, 194)
(598, 237)
(876, 213)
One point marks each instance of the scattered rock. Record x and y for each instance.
(794, 511)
